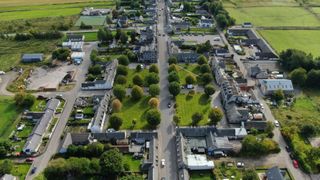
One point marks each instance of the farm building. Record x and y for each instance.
(269, 86)
(75, 37)
(74, 46)
(30, 58)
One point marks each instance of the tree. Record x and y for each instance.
(56, 169)
(111, 162)
(101, 35)
(122, 70)
(137, 80)
(116, 105)
(123, 37)
(152, 78)
(78, 166)
(298, 76)
(90, 77)
(123, 60)
(154, 90)
(308, 130)
(119, 92)
(132, 56)
(172, 60)
(154, 102)
(118, 34)
(153, 68)
(121, 79)
(133, 36)
(196, 118)
(250, 174)
(173, 77)
(95, 69)
(138, 68)
(174, 88)
(173, 67)
(61, 54)
(6, 167)
(115, 121)
(205, 68)
(24, 100)
(187, 7)
(137, 92)
(153, 117)
(278, 95)
(109, 36)
(95, 149)
(190, 79)
(204, 47)
(313, 78)
(222, 20)
(206, 78)
(291, 59)
(176, 119)
(202, 60)
(253, 146)
(209, 90)
(215, 115)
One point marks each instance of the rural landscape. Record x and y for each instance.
(160, 89)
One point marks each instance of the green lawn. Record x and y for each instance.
(188, 105)
(9, 114)
(134, 110)
(90, 36)
(39, 105)
(20, 170)
(132, 72)
(185, 70)
(274, 16)
(305, 40)
(257, 3)
(201, 175)
(133, 163)
(304, 111)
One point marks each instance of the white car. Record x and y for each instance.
(216, 39)
(276, 123)
(163, 162)
(2, 73)
(240, 164)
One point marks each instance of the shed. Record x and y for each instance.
(77, 55)
(30, 58)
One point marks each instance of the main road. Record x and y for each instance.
(42, 160)
(167, 146)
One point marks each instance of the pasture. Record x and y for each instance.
(258, 3)
(9, 114)
(274, 16)
(5, 3)
(305, 40)
(91, 20)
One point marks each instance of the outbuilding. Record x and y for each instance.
(30, 58)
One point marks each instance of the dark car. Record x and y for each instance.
(288, 149)
(34, 169)
(291, 155)
(169, 105)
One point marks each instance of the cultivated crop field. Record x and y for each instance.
(258, 3)
(274, 16)
(306, 40)
(37, 2)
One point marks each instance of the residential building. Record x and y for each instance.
(258, 73)
(269, 86)
(35, 139)
(94, 12)
(122, 22)
(75, 37)
(275, 173)
(75, 139)
(202, 12)
(146, 36)
(222, 52)
(205, 23)
(187, 57)
(247, 25)
(31, 58)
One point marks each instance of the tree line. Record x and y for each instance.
(38, 35)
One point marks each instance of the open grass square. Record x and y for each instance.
(132, 72)
(134, 110)
(185, 70)
(133, 163)
(305, 40)
(8, 116)
(91, 20)
(188, 105)
(274, 16)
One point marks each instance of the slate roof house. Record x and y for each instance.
(101, 114)
(30, 58)
(205, 23)
(275, 173)
(148, 56)
(75, 37)
(35, 139)
(258, 73)
(269, 86)
(202, 12)
(187, 57)
(146, 36)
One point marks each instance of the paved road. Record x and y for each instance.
(5, 80)
(167, 129)
(42, 161)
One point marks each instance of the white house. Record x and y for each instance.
(205, 23)
(269, 86)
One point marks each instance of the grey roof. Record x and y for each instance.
(274, 173)
(111, 71)
(259, 125)
(34, 140)
(8, 177)
(145, 135)
(148, 56)
(206, 21)
(32, 57)
(100, 116)
(108, 136)
(205, 131)
(202, 12)
(75, 37)
(275, 84)
(187, 57)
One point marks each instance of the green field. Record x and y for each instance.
(274, 16)
(305, 40)
(316, 10)
(185, 70)
(201, 175)
(188, 105)
(9, 114)
(258, 3)
(10, 51)
(90, 36)
(91, 20)
(305, 110)
(133, 110)
(40, 11)
(6, 3)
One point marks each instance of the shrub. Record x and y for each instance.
(137, 80)
(190, 79)
(123, 60)
(154, 90)
(154, 68)
(152, 78)
(122, 70)
(196, 118)
(119, 92)
(121, 79)
(172, 60)
(209, 90)
(153, 117)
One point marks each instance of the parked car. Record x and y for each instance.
(240, 164)
(30, 159)
(291, 156)
(276, 123)
(33, 170)
(169, 105)
(163, 162)
(295, 163)
(2, 73)
(288, 149)
(216, 39)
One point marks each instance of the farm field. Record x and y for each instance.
(305, 40)
(134, 110)
(92, 21)
(274, 16)
(188, 105)
(4, 3)
(9, 114)
(257, 3)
